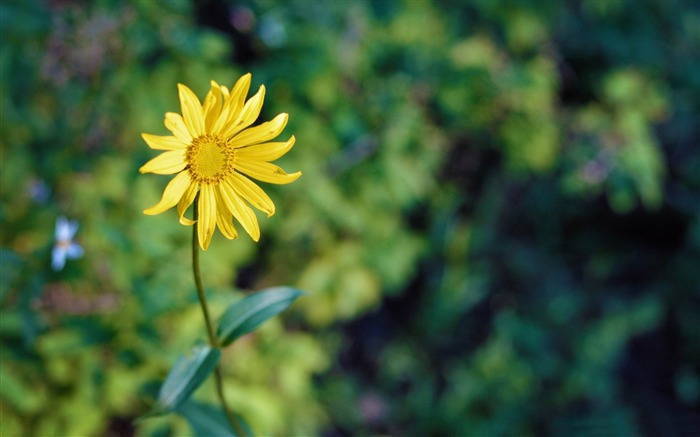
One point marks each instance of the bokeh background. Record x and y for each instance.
(498, 224)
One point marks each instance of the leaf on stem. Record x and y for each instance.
(250, 312)
(187, 374)
(208, 420)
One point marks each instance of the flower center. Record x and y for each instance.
(210, 159)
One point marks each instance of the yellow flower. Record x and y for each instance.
(212, 150)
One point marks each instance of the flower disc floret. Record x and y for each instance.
(210, 159)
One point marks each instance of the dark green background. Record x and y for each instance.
(498, 225)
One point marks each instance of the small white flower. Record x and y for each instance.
(65, 247)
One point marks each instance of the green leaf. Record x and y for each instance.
(10, 265)
(251, 311)
(187, 374)
(207, 420)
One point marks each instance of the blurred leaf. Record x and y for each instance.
(21, 19)
(251, 311)
(618, 421)
(10, 264)
(31, 323)
(187, 374)
(207, 420)
(20, 393)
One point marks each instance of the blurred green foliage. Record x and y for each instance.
(498, 223)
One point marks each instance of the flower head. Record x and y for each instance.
(64, 247)
(214, 152)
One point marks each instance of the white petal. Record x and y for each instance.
(65, 229)
(58, 258)
(74, 251)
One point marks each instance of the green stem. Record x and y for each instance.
(210, 327)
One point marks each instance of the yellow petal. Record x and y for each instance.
(239, 93)
(224, 218)
(191, 111)
(172, 194)
(163, 143)
(261, 133)
(233, 103)
(228, 113)
(185, 202)
(247, 116)
(240, 90)
(176, 125)
(168, 162)
(252, 193)
(266, 172)
(265, 151)
(212, 106)
(242, 212)
(207, 215)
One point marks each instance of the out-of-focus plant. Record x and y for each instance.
(497, 220)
